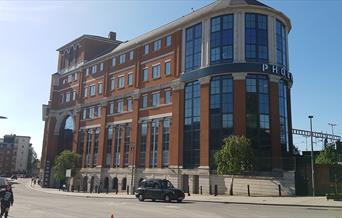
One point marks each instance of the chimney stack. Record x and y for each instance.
(112, 36)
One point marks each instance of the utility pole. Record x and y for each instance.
(332, 130)
(312, 159)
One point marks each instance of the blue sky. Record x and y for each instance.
(32, 31)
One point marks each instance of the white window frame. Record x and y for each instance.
(92, 112)
(85, 91)
(144, 74)
(168, 91)
(112, 84)
(74, 95)
(99, 88)
(113, 61)
(157, 99)
(167, 73)
(94, 69)
(157, 45)
(129, 104)
(130, 79)
(92, 90)
(84, 115)
(87, 71)
(121, 82)
(111, 107)
(101, 66)
(120, 106)
(156, 76)
(122, 59)
(146, 49)
(67, 97)
(131, 55)
(166, 40)
(144, 101)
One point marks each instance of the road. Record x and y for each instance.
(36, 204)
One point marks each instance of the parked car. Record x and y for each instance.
(14, 177)
(158, 189)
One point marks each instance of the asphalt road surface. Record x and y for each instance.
(36, 204)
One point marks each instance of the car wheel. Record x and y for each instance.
(141, 197)
(167, 198)
(179, 200)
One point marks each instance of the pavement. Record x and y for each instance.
(320, 202)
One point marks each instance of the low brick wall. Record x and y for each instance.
(258, 185)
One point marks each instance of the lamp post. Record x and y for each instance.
(312, 159)
(133, 166)
(332, 130)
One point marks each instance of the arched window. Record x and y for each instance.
(66, 134)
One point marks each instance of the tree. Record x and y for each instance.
(235, 156)
(327, 156)
(66, 160)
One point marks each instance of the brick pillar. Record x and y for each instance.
(135, 131)
(112, 157)
(239, 92)
(275, 123)
(148, 144)
(177, 126)
(122, 146)
(204, 126)
(92, 147)
(84, 164)
(160, 144)
(102, 137)
(76, 131)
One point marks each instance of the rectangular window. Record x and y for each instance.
(120, 106)
(111, 107)
(155, 99)
(91, 112)
(67, 97)
(167, 68)
(87, 71)
(121, 81)
(256, 38)
(122, 58)
(221, 39)
(168, 97)
(101, 66)
(157, 45)
(97, 112)
(92, 90)
(154, 143)
(85, 91)
(99, 88)
(145, 74)
(74, 95)
(113, 61)
(127, 142)
(129, 104)
(193, 47)
(146, 49)
(84, 114)
(131, 55)
(168, 41)
(143, 141)
(70, 78)
(93, 69)
(130, 79)
(166, 142)
(156, 71)
(112, 84)
(281, 43)
(144, 101)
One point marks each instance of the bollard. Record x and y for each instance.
(249, 193)
(127, 189)
(201, 191)
(188, 191)
(210, 191)
(279, 188)
(215, 190)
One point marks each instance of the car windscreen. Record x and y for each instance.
(166, 184)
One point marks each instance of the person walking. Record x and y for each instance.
(7, 200)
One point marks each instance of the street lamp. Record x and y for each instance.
(312, 159)
(332, 130)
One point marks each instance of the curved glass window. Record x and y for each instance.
(221, 112)
(192, 125)
(281, 43)
(284, 130)
(256, 39)
(258, 119)
(143, 140)
(221, 39)
(193, 47)
(96, 147)
(109, 146)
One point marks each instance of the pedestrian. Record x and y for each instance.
(7, 200)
